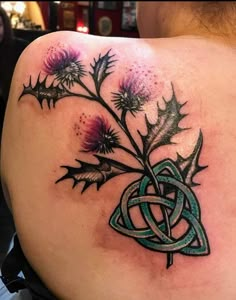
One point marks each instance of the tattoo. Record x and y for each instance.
(167, 184)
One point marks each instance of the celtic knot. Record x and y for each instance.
(184, 206)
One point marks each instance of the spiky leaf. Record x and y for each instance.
(41, 92)
(190, 166)
(96, 173)
(101, 69)
(166, 126)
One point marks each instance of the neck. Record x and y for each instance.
(190, 19)
(223, 35)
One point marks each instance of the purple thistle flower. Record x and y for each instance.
(132, 95)
(65, 65)
(99, 137)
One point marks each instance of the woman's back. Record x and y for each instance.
(102, 180)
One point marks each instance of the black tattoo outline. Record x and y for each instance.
(165, 177)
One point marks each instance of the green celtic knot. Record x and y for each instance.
(183, 206)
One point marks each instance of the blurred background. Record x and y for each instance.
(31, 19)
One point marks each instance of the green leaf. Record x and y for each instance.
(190, 166)
(167, 125)
(100, 69)
(96, 173)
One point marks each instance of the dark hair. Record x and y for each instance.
(216, 16)
(8, 32)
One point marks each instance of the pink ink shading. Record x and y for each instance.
(60, 59)
(99, 137)
(134, 85)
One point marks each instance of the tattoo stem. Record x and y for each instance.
(83, 96)
(92, 97)
(87, 89)
(121, 122)
(131, 153)
(163, 209)
(123, 126)
(153, 178)
(139, 156)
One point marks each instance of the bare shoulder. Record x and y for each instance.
(57, 65)
(110, 154)
(83, 44)
(67, 55)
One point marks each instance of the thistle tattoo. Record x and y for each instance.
(100, 138)
(131, 96)
(66, 67)
(167, 184)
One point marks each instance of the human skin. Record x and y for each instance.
(64, 233)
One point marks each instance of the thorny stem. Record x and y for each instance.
(87, 89)
(148, 168)
(122, 124)
(131, 153)
(82, 96)
(92, 96)
(124, 127)
(163, 209)
(140, 157)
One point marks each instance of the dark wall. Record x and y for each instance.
(29, 35)
(115, 15)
